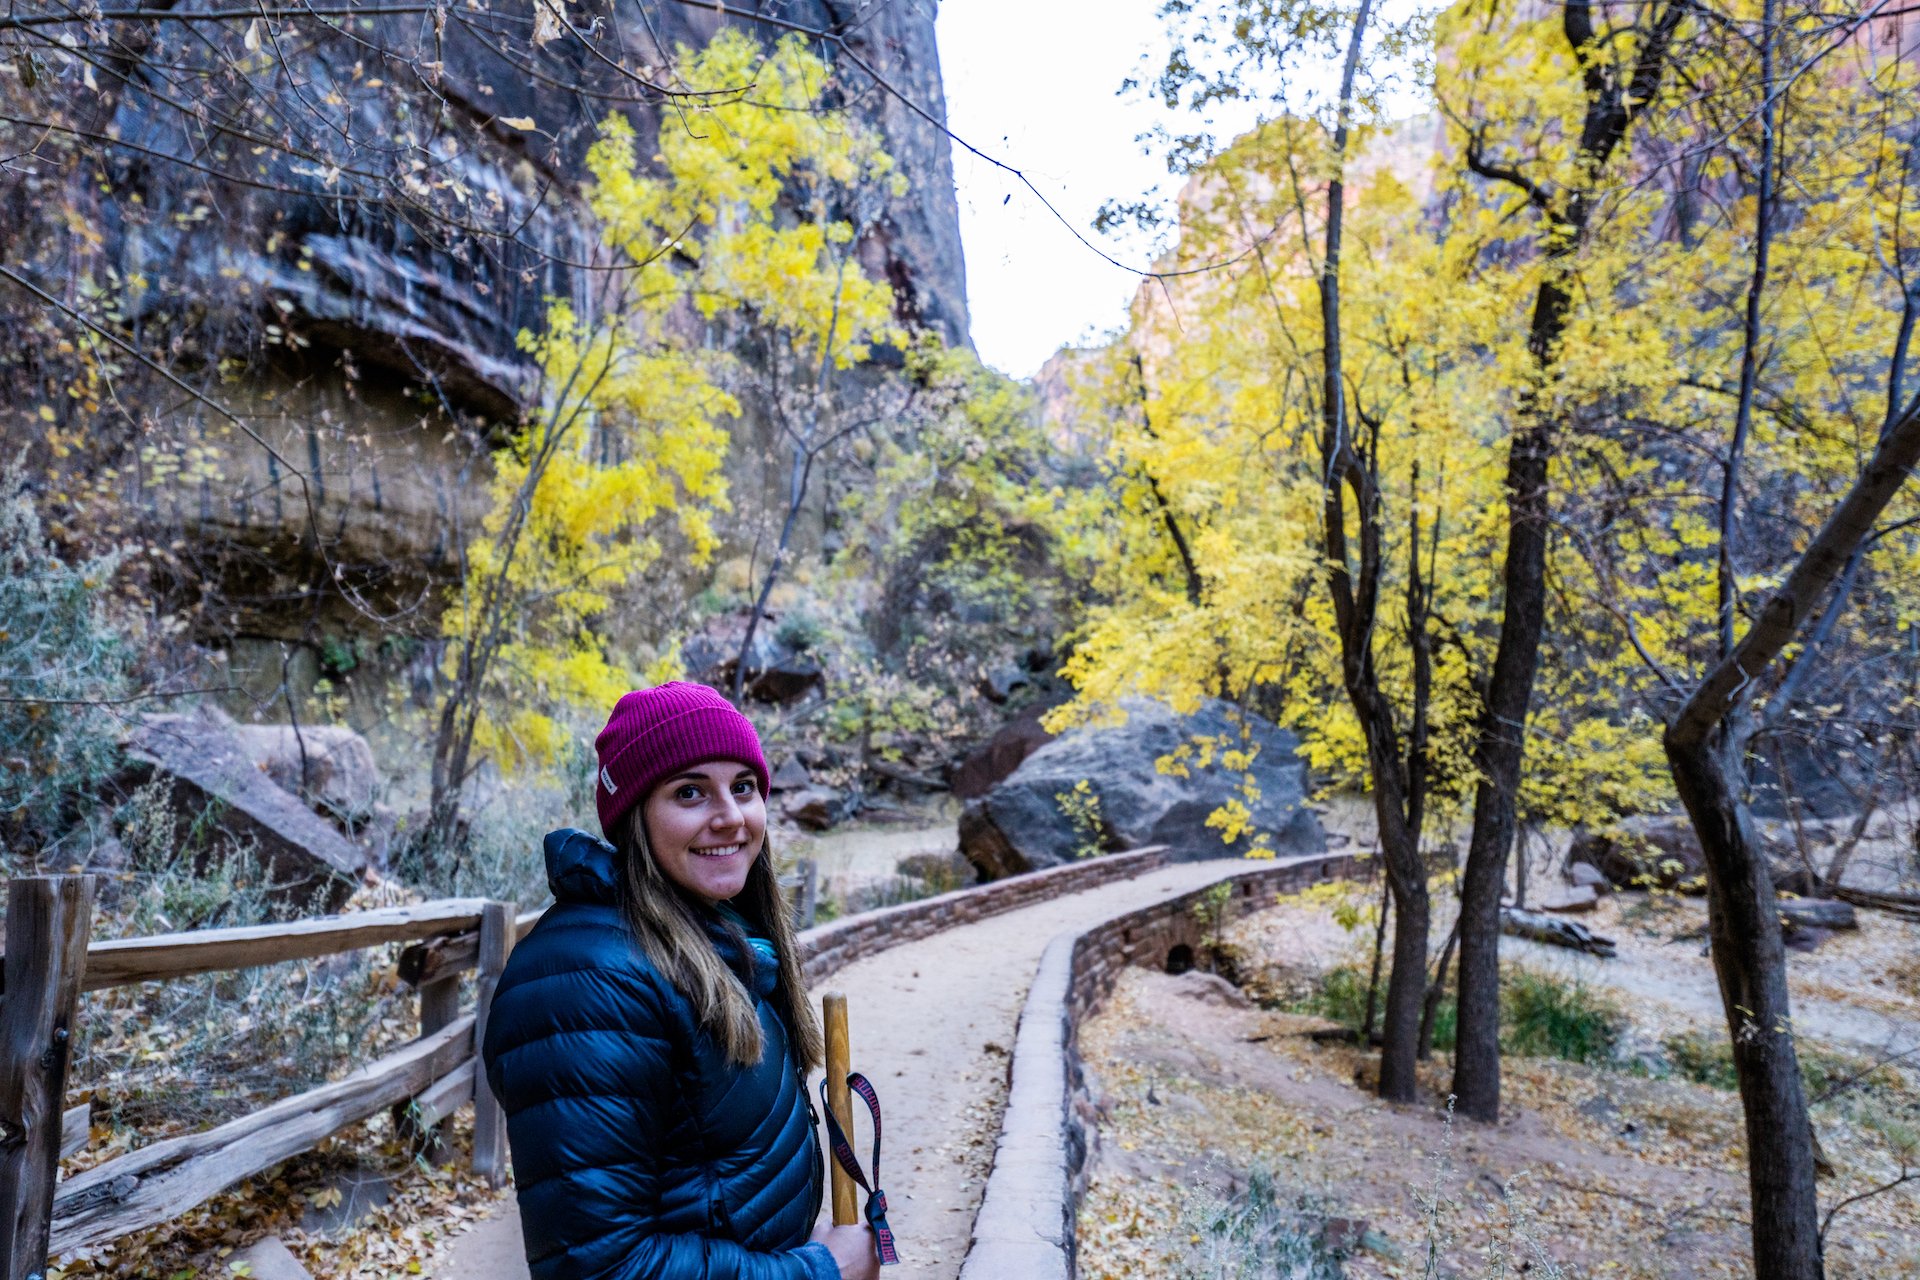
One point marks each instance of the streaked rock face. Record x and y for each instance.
(392, 346)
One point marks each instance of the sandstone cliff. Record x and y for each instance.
(258, 193)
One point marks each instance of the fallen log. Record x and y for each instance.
(1899, 904)
(1538, 927)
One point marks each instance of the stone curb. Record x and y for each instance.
(1025, 1226)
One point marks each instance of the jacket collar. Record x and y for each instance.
(581, 867)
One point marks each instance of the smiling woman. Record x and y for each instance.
(650, 1038)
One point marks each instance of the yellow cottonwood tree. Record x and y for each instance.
(729, 230)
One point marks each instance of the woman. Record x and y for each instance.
(650, 1038)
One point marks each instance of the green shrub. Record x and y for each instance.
(62, 656)
(1341, 997)
(1546, 1016)
(1259, 1234)
(1541, 1015)
(800, 632)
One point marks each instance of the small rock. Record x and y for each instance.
(1660, 850)
(790, 776)
(816, 808)
(1000, 683)
(268, 1259)
(1602, 1109)
(1579, 898)
(1805, 938)
(329, 766)
(1586, 875)
(1209, 988)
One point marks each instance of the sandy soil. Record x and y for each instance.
(932, 1022)
(1602, 1171)
(853, 857)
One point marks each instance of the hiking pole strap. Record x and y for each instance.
(843, 1152)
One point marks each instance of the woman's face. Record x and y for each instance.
(706, 826)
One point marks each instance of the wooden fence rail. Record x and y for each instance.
(49, 963)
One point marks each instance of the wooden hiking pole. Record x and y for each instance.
(840, 1101)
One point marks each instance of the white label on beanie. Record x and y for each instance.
(606, 780)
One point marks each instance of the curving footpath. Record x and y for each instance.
(933, 1020)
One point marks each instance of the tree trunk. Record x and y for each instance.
(1611, 108)
(1750, 960)
(1406, 995)
(1502, 746)
(1407, 878)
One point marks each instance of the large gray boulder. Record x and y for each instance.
(1022, 824)
(218, 789)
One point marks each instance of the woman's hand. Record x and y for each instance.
(852, 1249)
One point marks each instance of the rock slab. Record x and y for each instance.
(1022, 824)
(216, 783)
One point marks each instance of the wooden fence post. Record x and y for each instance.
(48, 918)
(489, 1121)
(439, 1002)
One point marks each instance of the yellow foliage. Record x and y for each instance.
(622, 464)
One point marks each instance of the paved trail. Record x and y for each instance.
(932, 1022)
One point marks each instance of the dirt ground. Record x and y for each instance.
(1600, 1170)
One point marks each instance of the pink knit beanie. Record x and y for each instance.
(655, 733)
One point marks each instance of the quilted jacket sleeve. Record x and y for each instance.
(578, 1054)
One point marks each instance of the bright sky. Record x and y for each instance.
(1032, 83)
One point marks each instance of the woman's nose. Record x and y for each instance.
(728, 814)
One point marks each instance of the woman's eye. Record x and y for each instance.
(745, 788)
(688, 792)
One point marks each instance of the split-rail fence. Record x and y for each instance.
(50, 962)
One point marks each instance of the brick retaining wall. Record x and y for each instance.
(830, 947)
(1025, 1227)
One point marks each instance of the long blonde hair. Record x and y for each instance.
(669, 925)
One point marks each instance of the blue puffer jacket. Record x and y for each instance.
(639, 1151)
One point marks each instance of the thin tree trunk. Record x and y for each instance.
(796, 498)
(1436, 991)
(1502, 745)
(1189, 570)
(1373, 978)
(1611, 109)
(1705, 744)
